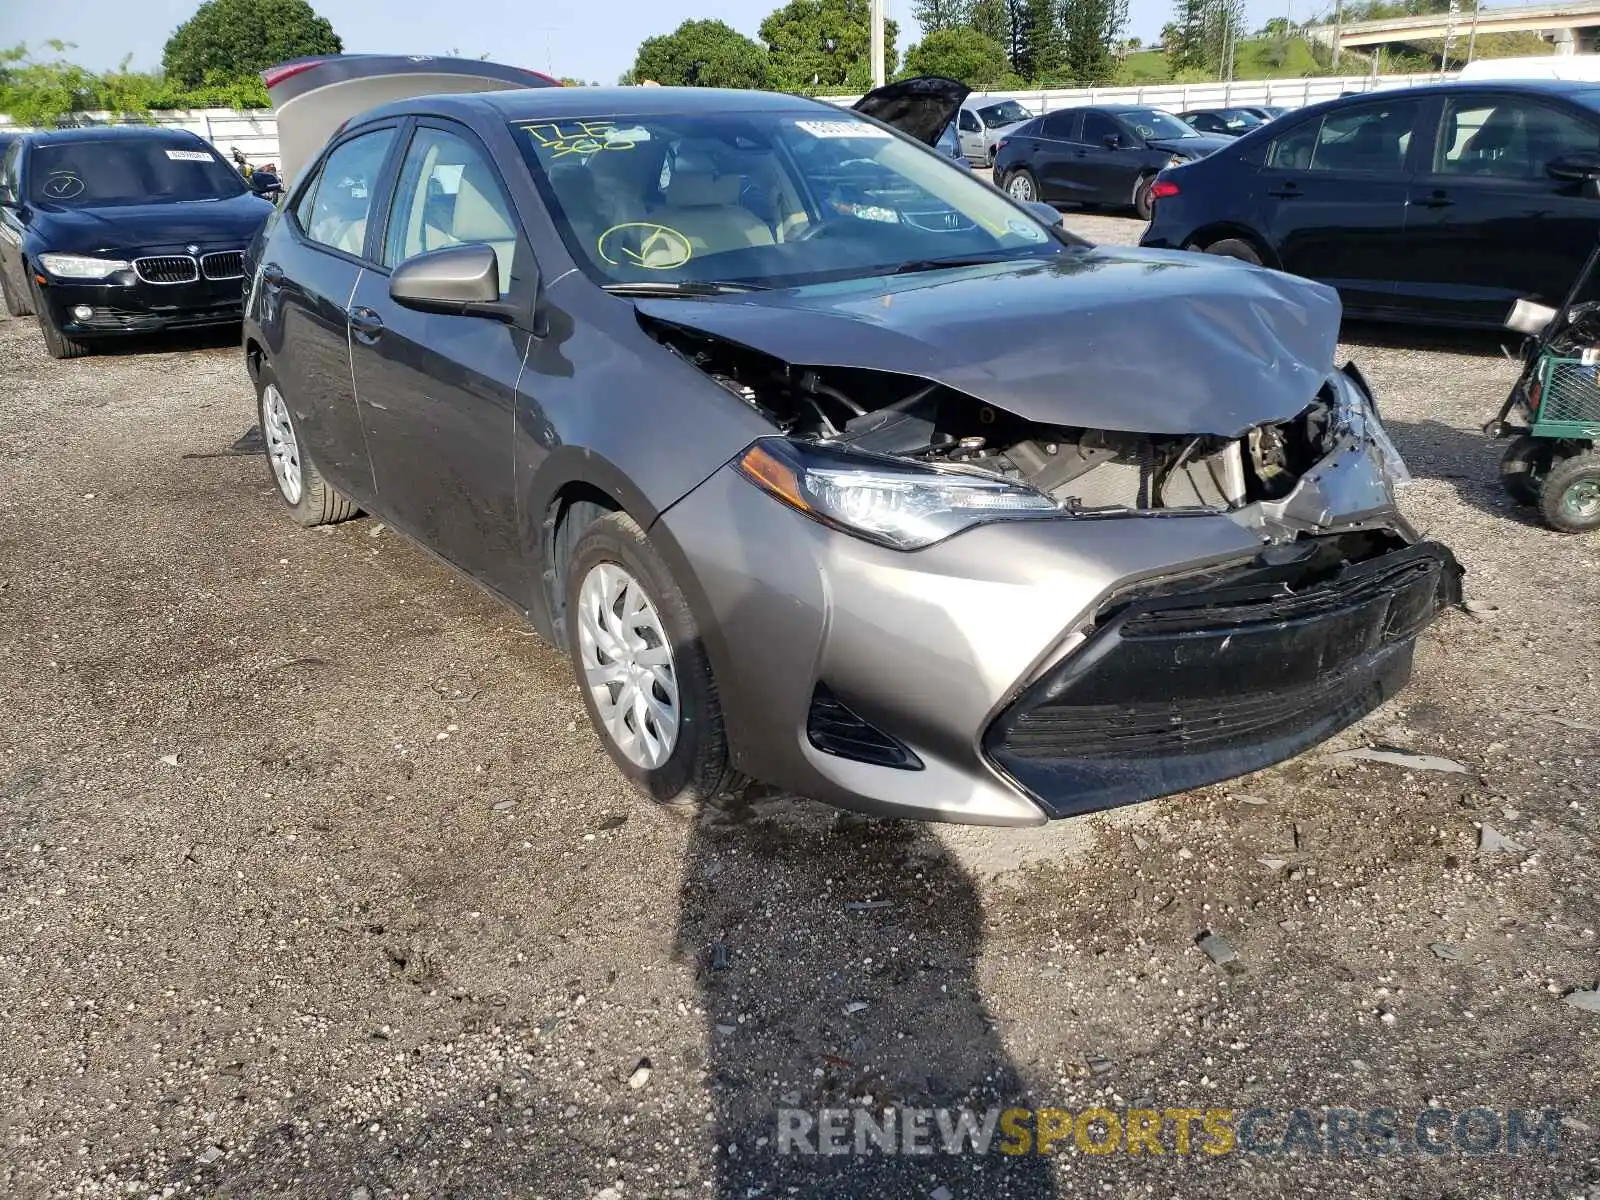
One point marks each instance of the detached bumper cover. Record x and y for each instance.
(1173, 691)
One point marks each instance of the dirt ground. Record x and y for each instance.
(314, 882)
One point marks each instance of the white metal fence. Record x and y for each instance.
(255, 134)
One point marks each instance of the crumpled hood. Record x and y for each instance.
(1133, 340)
(1195, 147)
(145, 228)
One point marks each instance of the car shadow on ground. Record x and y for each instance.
(836, 960)
(1389, 335)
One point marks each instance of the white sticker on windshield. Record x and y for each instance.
(189, 155)
(841, 129)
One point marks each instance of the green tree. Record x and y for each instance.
(820, 46)
(1036, 38)
(228, 40)
(702, 54)
(935, 15)
(959, 53)
(1089, 33)
(41, 93)
(992, 19)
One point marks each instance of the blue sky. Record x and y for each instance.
(593, 40)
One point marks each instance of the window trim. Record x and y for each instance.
(380, 188)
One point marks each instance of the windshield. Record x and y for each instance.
(1008, 112)
(767, 198)
(1153, 123)
(120, 171)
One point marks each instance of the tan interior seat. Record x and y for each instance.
(705, 208)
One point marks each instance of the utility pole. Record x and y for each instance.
(1338, 25)
(877, 42)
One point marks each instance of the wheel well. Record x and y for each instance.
(1216, 233)
(575, 507)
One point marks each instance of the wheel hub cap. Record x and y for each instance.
(627, 665)
(1583, 499)
(283, 451)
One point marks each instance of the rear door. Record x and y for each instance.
(1488, 224)
(307, 284)
(438, 391)
(1332, 195)
(1054, 158)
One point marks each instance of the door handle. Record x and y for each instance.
(1081, 154)
(366, 325)
(1437, 200)
(1285, 193)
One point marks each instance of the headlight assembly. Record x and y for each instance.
(902, 505)
(1358, 415)
(81, 266)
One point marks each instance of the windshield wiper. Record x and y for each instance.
(684, 287)
(939, 264)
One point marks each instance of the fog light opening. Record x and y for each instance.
(82, 312)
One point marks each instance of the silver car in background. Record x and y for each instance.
(983, 121)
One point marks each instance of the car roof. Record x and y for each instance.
(534, 104)
(113, 133)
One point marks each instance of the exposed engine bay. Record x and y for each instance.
(905, 417)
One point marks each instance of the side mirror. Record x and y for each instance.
(1045, 212)
(1113, 141)
(264, 183)
(458, 280)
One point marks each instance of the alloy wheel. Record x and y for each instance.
(628, 666)
(1021, 188)
(283, 450)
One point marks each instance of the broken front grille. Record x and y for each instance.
(1186, 688)
(167, 268)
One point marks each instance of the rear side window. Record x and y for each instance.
(1061, 125)
(1508, 138)
(340, 198)
(1365, 138)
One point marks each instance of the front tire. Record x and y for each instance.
(310, 499)
(1022, 186)
(1522, 469)
(1569, 498)
(642, 668)
(57, 344)
(1144, 205)
(16, 306)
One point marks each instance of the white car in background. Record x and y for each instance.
(983, 121)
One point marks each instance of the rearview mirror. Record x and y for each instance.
(459, 280)
(1579, 166)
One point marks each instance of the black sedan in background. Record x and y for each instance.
(108, 231)
(1224, 122)
(1101, 156)
(1441, 204)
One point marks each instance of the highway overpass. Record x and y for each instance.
(1572, 27)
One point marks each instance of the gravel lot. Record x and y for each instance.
(315, 882)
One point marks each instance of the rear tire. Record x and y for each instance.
(310, 499)
(1021, 186)
(1144, 204)
(1524, 466)
(1570, 497)
(1235, 248)
(622, 601)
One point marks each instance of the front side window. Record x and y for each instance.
(1366, 138)
(342, 195)
(449, 195)
(969, 122)
(117, 171)
(1510, 138)
(767, 198)
(1097, 127)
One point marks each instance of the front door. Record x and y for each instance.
(1332, 195)
(438, 391)
(1108, 159)
(970, 130)
(1488, 224)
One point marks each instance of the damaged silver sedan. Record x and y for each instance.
(830, 466)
